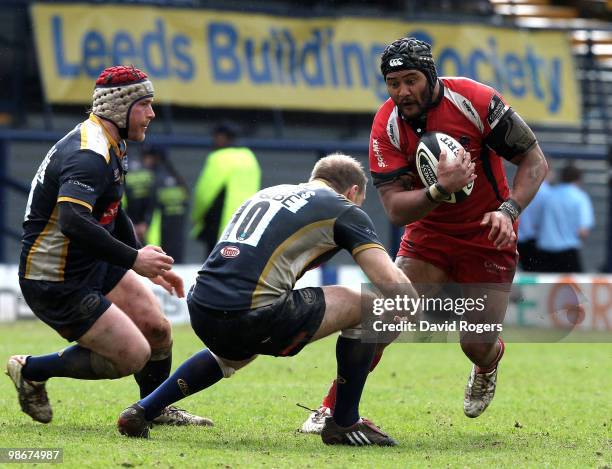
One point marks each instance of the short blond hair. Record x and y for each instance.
(341, 172)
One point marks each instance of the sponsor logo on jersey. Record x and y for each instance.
(110, 213)
(230, 252)
(393, 130)
(494, 268)
(378, 154)
(469, 108)
(495, 111)
(81, 184)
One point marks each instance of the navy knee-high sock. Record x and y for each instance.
(197, 373)
(354, 359)
(73, 362)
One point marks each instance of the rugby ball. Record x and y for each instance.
(427, 154)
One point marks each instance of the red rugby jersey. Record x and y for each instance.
(467, 111)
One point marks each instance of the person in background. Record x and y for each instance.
(171, 200)
(230, 176)
(139, 199)
(567, 219)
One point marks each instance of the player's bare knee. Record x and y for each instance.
(158, 332)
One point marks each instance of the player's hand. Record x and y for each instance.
(171, 282)
(502, 232)
(454, 174)
(152, 261)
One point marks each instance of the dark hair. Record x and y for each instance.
(570, 173)
(409, 53)
(341, 172)
(226, 128)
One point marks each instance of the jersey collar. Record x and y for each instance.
(120, 147)
(323, 183)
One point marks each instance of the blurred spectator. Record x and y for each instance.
(230, 175)
(530, 258)
(157, 202)
(567, 218)
(139, 198)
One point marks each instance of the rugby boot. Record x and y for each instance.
(479, 392)
(32, 395)
(315, 421)
(132, 422)
(172, 415)
(361, 433)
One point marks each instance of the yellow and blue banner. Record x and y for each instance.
(227, 59)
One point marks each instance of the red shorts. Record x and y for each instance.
(466, 258)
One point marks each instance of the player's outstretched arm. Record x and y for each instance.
(513, 139)
(530, 173)
(77, 223)
(383, 273)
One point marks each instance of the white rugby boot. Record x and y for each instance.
(32, 395)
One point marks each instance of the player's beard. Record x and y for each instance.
(423, 105)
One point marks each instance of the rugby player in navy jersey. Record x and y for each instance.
(243, 303)
(80, 259)
(473, 242)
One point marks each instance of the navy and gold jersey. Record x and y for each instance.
(273, 238)
(85, 167)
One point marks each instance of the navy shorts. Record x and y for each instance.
(280, 329)
(71, 309)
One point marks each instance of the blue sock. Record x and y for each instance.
(72, 362)
(354, 359)
(197, 373)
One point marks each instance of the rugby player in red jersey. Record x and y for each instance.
(473, 242)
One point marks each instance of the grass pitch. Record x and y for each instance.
(553, 408)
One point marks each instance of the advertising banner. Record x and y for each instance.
(207, 58)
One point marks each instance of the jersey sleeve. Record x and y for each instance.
(354, 231)
(504, 130)
(490, 106)
(83, 178)
(387, 161)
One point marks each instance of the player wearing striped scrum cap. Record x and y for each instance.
(80, 258)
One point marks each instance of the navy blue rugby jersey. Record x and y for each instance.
(85, 167)
(273, 238)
